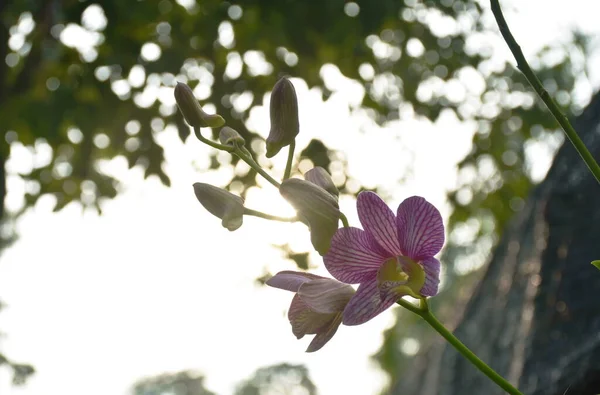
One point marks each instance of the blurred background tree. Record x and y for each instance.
(181, 383)
(82, 82)
(280, 379)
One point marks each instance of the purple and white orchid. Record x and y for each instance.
(391, 258)
(317, 306)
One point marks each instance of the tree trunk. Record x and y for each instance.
(535, 315)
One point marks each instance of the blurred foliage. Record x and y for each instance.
(81, 82)
(281, 379)
(181, 383)
(20, 371)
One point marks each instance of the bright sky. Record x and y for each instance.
(157, 285)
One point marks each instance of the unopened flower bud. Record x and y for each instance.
(319, 176)
(222, 204)
(229, 136)
(191, 110)
(317, 207)
(284, 117)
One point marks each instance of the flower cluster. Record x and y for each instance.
(391, 257)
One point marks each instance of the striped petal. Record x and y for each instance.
(420, 228)
(431, 266)
(305, 321)
(379, 220)
(290, 280)
(325, 335)
(368, 302)
(325, 295)
(353, 256)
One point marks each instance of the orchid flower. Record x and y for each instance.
(317, 306)
(391, 258)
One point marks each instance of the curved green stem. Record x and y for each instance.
(246, 157)
(206, 141)
(409, 306)
(260, 214)
(467, 353)
(344, 220)
(542, 93)
(290, 159)
(241, 152)
(428, 316)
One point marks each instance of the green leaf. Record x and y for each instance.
(597, 264)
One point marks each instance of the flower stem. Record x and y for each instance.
(409, 306)
(260, 214)
(246, 157)
(241, 152)
(218, 146)
(290, 159)
(428, 316)
(344, 220)
(542, 93)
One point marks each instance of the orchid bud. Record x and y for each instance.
(317, 207)
(222, 204)
(191, 110)
(319, 176)
(284, 117)
(229, 136)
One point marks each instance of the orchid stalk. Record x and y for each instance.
(536, 84)
(424, 312)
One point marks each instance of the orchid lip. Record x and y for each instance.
(401, 276)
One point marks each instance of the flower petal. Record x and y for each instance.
(326, 295)
(305, 321)
(290, 280)
(420, 228)
(317, 206)
(325, 335)
(378, 219)
(432, 276)
(367, 303)
(353, 256)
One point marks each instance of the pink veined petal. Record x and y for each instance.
(378, 220)
(367, 303)
(325, 335)
(431, 266)
(305, 321)
(325, 295)
(420, 228)
(353, 256)
(290, 280)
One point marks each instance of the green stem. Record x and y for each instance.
(543, 94)
(464, 350)
(290, 159)
(260, 214)
(409, 306)
(246, 157)
(428, 316)
(344, 220)
(241, 152)
(218, 146)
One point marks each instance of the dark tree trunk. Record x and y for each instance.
(535, 315)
